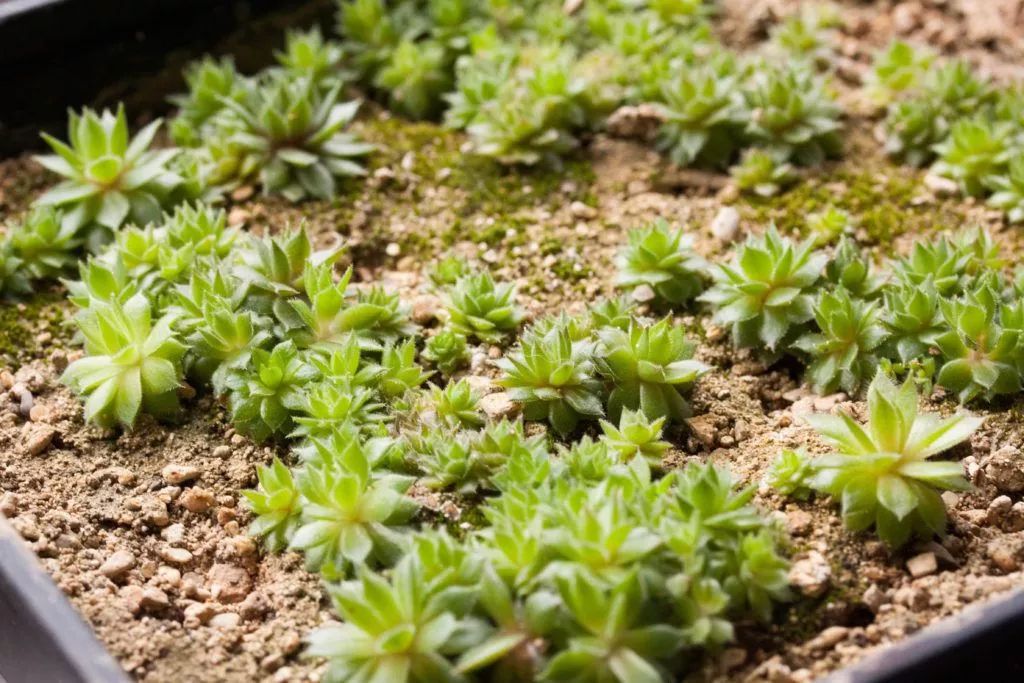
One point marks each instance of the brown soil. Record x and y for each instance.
(145, 531)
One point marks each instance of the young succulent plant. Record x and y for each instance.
(912, 317)
(292, 135)
(351, 516)
(1008, 190)
(611, 640)
(898, 69)
(790, 474)
(399, 371)
(804, 36)
(882, 475)
(415, 77)
(942, 261)
(268, 391)
(852, 270)
(329, 406)
(131, 364)
(636, 436)
(759, 172)
(446, 460)
(553, 377)
(44, 245)
(109, 179)
(447, 350)
(844, 352)
(648, 368)
(830, 225)
(536, 113)
(307, 55)
(764, 296)
(397, 629)
(276, 506)
(976, 150)
(328, 316)
(210, 82)
(612, 312)
(981, 346)
(793, 116)
(664, 260)
(13, 282)
(704, 112)
(477, 306)
(915, 126)
(458, 405)
(370, 33)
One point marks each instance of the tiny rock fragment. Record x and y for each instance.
(174, 533)
(811, 575)
(498, 405)
(222, 451)
(922, 565)
(8, 505)
(643, 294)
(798, 522)
(242, 193)
(704, 429)
(118, 564)
(41, 412)
(824, 404)
(425, 308)
(226, 621)
(198, 613)
(998, 509)
(154, 511)
(1005, 469)
(37, 438)
(941, 186)
(175, 555)
(196, 500)
(1005, 554)
(581, 210)
(874, 597)
(175, 473)
(725, 226)
(144, 599)
(228, 583)
(635, 121)
(829, 638)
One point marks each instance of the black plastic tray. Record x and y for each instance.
(42, 638)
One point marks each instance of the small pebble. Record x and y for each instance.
(175, 473)
(226, 621)
(118, 564)
(175, 555)
(922, 565)
(38, 438)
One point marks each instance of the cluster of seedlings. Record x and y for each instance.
(592, 561)
(962, 126)
(527, 80)
(946, 313)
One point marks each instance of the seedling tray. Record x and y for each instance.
(42, 638)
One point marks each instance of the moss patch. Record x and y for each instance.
(26, 328)
(882, 202)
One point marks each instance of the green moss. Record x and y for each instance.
(880, 201)
(482, 188)
(28, 328)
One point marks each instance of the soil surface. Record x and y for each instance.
(145, 531)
